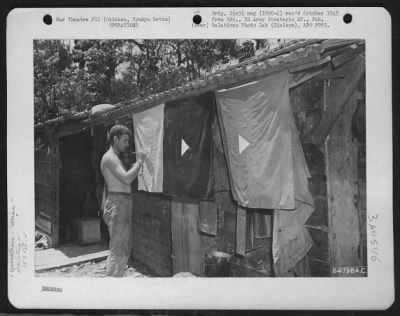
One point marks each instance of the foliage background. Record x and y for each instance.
(71, 76)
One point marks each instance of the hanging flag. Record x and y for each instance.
(149, 132)
(189, 148)
(257, 140)
(266, 163)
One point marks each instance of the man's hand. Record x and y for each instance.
(142, 154)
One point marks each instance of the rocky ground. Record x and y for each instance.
(96, 269)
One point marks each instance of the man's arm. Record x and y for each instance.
(124, 176)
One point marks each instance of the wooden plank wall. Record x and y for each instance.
(186, 242)
(358, 129)
(225, 238)
(362, 172)
(151, 219)
(317, 224)
(46, 189)
(256, 253)
(307, 103)
(154, 245)
(362, 202)
(334, 182)
(342, 173)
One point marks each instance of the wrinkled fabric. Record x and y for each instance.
(221, 172)
(149, 132)
(189, 148)
(291, 239)
(266, 164)
(118, 217)
(256, 134)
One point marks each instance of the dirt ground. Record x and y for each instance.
(97, 269)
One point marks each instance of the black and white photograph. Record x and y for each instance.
(200, 158)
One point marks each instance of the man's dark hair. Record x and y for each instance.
(118, 130)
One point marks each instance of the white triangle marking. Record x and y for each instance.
(184, 147)
(243, 144)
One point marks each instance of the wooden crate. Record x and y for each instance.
(87, 230)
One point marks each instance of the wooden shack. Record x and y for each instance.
(327, 95)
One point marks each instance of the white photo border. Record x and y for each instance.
(25, 290)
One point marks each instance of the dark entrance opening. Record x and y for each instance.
(80, 218)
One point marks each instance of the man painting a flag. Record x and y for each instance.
(117, 198)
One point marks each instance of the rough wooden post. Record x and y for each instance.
(56, 219)
(338, 99)
(341, 152)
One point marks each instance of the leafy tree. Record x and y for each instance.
(50, 59)
(72, 76)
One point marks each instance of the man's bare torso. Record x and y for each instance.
(113, 183)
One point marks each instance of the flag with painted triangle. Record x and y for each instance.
(149, 134)
(255, 126)
(188, 147)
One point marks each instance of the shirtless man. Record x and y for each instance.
(118, 199)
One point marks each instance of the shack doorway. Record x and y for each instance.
(80, 219)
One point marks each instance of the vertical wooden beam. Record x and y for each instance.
(53, 186)
(176, 227)
(192, 238)
(56, 222)
(186, 242)
(341, 153)
(249, 231)
(241, 231)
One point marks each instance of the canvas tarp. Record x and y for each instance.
(256, 132)
(189, 148)
(149, 132)
(266, 162)
(291, 239)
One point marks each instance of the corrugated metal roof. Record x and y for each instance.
(300, 54)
